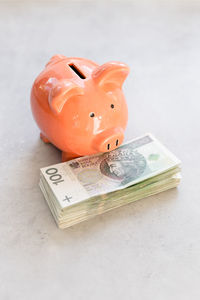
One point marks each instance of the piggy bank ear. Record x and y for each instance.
(60, 93)
(113, 73)
(56, 58)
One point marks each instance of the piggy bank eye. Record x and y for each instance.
(112, 106)
(92, 115)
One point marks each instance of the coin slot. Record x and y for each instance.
(77, 71)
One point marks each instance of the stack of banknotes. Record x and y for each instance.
(91, 185)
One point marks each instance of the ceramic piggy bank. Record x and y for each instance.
(79, 106)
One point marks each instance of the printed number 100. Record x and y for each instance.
(54, 176)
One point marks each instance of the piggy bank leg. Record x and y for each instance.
(67, 156)
(45, 140)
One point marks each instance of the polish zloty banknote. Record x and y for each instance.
(86, 177)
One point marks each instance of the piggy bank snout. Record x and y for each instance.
(108, 140)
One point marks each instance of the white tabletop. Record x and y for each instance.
(146, 250)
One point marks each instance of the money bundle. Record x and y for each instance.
(88, 186)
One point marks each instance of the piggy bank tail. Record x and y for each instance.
(56, 58)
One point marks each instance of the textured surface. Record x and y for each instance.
(146, 250)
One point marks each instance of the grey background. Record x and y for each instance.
(146, 250)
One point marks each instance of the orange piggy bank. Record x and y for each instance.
(79, 106)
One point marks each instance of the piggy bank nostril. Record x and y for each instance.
(117, 142)
(108, 146)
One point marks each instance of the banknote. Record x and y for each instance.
(133, 162)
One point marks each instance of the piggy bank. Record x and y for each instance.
(79, 105)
